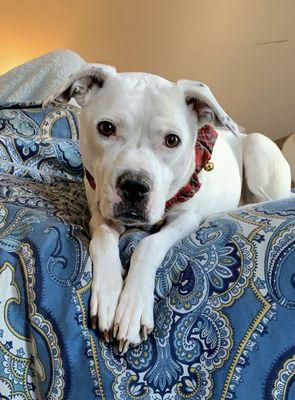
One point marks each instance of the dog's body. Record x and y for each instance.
(138, 134)
(287, 146)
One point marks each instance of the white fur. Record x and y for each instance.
(145, 108)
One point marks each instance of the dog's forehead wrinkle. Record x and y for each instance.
(143, 87)
(148, 96)
(145, 78)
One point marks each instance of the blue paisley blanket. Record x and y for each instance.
(224, 297)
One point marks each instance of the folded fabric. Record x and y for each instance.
(39, 78)
(40, 143)
(224, 305)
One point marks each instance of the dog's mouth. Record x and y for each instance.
(130, 216)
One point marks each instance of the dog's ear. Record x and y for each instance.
(80, 83)
(201, 99)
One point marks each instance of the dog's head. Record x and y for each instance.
(138, 133)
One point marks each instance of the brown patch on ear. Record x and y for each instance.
(95, 81)
(79, 88)
(198, 105)
(205, 113)
(80, 83)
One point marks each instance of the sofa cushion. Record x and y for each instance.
(40, 143)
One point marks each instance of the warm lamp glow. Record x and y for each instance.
(12, 60)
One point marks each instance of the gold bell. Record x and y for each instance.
(209, 166)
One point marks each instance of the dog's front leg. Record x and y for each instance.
(107, 280)
(134, 315)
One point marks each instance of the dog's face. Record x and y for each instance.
(138, 141)
(138, 134)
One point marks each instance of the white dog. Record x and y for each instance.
(138, 138)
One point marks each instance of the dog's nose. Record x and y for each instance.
(133, 187)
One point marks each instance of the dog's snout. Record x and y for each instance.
(133, 187)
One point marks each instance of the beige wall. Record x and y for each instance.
(211, 40)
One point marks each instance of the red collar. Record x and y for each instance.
(203, 150)
(90, 179)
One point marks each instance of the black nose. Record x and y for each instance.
(133, 187)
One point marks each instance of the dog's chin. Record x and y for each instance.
(130, 215)
(132, 221)
(132, 218)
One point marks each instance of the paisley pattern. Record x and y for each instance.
(41, 144)
(224, 300)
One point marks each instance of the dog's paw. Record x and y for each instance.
(105, 295)
(134, 318)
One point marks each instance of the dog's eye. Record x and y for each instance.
(172, 140)
(106, 128)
